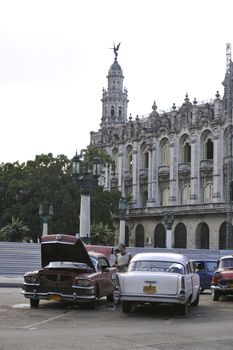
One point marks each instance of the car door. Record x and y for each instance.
(105, 283)
(194, 282)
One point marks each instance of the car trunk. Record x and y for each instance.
(140, 284)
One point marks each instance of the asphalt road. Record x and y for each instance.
(66, 326)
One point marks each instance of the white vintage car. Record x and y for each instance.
(158, 278)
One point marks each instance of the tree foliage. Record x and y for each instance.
(46, 181)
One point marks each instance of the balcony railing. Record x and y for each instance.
(128, 175)
(184, 168)
(206, 165)
(143, 173)
(164, 170)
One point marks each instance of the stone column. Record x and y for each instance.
(85, 217)
(173, 171)
(135, 174)
(121, 169)
(217, 168)
(195, 170)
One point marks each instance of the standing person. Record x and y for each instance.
(123, 259)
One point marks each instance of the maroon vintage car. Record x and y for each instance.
(70, 271)
(222, 281)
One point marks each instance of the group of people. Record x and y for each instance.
(122, 258)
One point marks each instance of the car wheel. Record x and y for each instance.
(110, 298)
(126, 307)
(196, 301)
(215, 295)
(34, 302)
(183, 309)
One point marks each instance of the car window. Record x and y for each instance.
(228, 262)
(211, 266)
(103, 263)
(156, 266)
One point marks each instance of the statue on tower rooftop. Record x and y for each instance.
(115, 49)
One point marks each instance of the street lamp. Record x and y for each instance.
(85, 179)
(169, 220)
(45, 218)
(122, 212)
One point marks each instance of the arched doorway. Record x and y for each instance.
(126, 236)
(202, 236)
(160, 236)
(180, 236)
(139, 236)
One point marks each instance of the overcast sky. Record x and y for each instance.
(55, 56)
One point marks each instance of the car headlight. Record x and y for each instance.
(83, 282)
(31, 279)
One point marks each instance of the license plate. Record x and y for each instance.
(149, 289)
(55, 297)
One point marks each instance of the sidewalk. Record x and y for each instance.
(11, 281)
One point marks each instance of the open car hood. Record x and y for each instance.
(63, 248)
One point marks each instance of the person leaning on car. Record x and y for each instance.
(122, 259)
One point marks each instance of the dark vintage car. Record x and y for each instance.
(205, 269)
(70, 271)
(222, 281)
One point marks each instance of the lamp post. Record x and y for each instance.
(122, 212)
(45, 218)
(169, 220)
(85, 180)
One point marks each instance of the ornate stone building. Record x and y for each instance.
(174, 162)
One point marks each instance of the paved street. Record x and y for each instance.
(65, 326)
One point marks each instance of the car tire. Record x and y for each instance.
(34, 302)
(110, 298)
(183, 309)
(126, 307)
(215, 295)
(196, 301)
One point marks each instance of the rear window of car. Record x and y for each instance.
(156, 266)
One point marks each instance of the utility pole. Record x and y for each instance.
(229, 146)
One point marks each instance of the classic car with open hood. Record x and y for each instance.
(70, 271)
(164, 278)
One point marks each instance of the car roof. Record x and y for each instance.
(226, 257)
(172, 257)
(204, 260)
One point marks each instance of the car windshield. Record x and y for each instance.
(226, 263)
(156, 266)
(211, 266)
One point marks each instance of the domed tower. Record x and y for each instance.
(115, 98)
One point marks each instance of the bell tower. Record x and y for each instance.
(115, 98)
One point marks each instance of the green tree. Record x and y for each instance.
(16, 231)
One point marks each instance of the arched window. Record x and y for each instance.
(180, 236)
(202, 236)
(160, 236)
(165, 153)
(112, 111)
(223, 236)
(139, 236)
(209, 149)
(129, 159)
(126, 236)
(144, 157)
(187, 153)
(120, 111)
